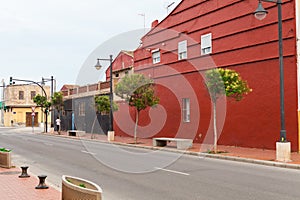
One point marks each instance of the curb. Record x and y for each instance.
(204, 155)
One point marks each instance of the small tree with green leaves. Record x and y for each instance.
(139, 92)
(102, 104)
(227, 82)
(57, 102)
(44, 104)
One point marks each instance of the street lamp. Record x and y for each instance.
(260, 13)
(98, 66)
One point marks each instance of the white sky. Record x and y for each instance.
(40, 38)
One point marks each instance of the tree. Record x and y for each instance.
(139, 92)
(57, 101)
(227, 82)
(102, 104)
(44, 104)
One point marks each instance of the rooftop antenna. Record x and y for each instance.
(143, 15)
(168, 6)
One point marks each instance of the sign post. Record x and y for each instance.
(32, 117)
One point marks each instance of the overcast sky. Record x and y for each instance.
(61, 37)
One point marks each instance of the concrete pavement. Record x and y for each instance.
(12, 187)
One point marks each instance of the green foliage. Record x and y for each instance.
(226, 81)
(42, 101)
(5, 150)
(103, 104)
(57, 101)
(138, 91)
(82, 185)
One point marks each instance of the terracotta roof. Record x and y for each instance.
(130, 53)
(66, 87)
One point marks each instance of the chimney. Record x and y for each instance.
(154, 23)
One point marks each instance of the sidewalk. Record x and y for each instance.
(14, 188)
(252, 155)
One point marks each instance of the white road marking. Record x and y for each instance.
(48, 144)
(88, 152)
(172, 171)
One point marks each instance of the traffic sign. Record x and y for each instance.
(33, 108)
(33, 114)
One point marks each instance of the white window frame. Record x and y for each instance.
(186, 110)
(81, 109)
(155, 56)
(206, 44)
(182, 50)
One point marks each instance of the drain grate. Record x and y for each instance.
(9, 173)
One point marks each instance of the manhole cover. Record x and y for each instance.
(9, 173)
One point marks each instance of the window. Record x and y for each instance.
(32, 94)
(81, 109)
(206, 44)
(182, 50)
(156, 56)
(186, 110)
(117, 75)
(21, 95)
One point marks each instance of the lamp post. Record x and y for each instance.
(98, 66)
(282, 147)
(51, 94)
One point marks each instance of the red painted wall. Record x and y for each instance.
(240, 42)
(124, 60)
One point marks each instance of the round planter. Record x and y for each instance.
(72, 189)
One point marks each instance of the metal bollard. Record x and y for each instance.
(42, 184)
(24, 172)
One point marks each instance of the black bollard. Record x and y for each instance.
(42, 184)
(24, 172)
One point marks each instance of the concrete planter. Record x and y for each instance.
(283, 151)
(72, 189)
(111, 136)
(5, 159)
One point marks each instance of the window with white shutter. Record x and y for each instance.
(182, 50)
(206, 44)
(156, 56)
(186, 110)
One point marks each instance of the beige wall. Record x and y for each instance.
(18, 108)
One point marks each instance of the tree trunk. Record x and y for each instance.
(215, 125)
(92, 130)
(135, 127)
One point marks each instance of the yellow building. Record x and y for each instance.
(19, 105)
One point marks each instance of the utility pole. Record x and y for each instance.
(2, 102)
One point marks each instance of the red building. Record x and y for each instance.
(199, 35)
(122, 65)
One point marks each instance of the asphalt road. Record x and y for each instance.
(129, 173)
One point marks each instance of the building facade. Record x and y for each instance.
(19, 105)
(201, 35)
(80, 110)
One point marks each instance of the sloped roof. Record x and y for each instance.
(67, 86)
